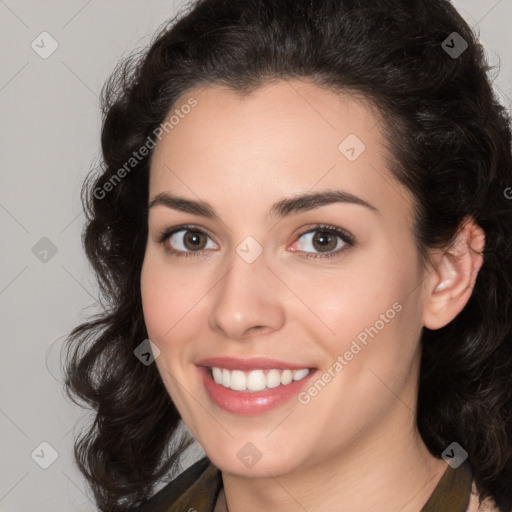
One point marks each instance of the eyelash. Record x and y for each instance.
(347, 238)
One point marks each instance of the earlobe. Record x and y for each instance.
(452, 281)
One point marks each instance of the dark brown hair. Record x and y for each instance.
(450, 140)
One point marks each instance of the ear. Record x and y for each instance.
(452, 280)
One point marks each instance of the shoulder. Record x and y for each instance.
(195, 488)
(488, 505)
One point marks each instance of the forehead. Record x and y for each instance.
(291, 110)
(283, 138)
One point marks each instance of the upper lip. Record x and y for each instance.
(253, 363)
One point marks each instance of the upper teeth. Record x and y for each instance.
(256, 380)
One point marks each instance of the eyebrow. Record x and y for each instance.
(282, 208)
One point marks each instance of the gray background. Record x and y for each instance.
(49, 137)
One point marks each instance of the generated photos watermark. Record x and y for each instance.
(139, 155)
(342, 360)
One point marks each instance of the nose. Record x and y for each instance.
(248, 300)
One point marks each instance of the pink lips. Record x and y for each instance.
(249, 403)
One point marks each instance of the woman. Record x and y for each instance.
(303, 205)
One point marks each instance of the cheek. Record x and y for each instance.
(367, 304)
(372, 351)
(171, 299)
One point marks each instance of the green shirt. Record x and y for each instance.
(197, 489)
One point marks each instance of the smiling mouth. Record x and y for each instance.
(257, 379)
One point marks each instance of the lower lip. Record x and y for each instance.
(249, 403)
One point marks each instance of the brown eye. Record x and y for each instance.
(185, 241)
(324, 241)
(194, 240)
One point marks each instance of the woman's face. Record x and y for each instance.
(251, 287)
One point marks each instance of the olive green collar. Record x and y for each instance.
(453, 491)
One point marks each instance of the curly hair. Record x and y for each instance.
(450, 141)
